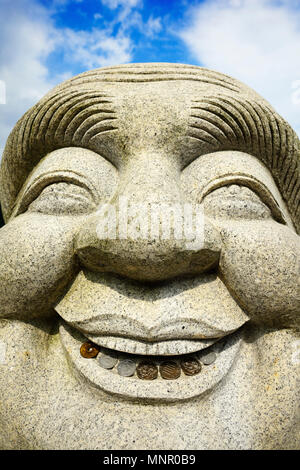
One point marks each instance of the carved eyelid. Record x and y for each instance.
(252, 183)
(46, 179)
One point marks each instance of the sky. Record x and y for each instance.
(43, 42)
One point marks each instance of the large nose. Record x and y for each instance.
(148, 232)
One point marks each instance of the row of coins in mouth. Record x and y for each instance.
(147, 369)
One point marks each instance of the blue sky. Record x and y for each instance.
(150, 25)
(46, 41)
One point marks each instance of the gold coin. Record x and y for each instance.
(89, 350)
(147, 370)
(190, 366)
(169, 370)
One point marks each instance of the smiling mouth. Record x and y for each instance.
(150, 377)
(167, 343)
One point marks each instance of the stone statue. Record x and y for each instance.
(150, 266)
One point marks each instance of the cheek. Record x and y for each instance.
(260, 267)
(36, 264)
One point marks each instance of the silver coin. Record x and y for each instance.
(126, 368)
(208, 358)
(107, 362)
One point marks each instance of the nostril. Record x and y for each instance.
(88, 257)
(205, 260)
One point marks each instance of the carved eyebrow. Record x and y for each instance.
(71, 117)
(48, 178)
(233, 122)
(252, 183)
(77, 117)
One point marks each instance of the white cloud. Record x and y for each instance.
(25, 40)
(27, 37)
(125, 11)
(113, 4)
(127, 15)
(96, 48)
(153, 26)
(255, 41)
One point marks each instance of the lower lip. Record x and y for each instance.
(159, 390)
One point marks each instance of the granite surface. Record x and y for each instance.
(150, 265)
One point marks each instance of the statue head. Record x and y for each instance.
(150, 265)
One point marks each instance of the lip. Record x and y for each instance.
(103, 305)
(133, 388)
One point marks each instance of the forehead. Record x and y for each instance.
(126, 118)
(159, 87)
(175, 93)
(153, 116)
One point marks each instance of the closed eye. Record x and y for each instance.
(63, 199)
(58, 193)
(240, 197)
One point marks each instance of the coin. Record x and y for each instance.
(89, 350)
(208, 358)
(190, 366)
(147, 370)
(169, 370)
(126, 368)
(107, 362)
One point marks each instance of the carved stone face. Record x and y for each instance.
(195, 336)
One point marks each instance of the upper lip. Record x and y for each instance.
(120, 326)
(107, 305)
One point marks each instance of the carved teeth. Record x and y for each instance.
(161, 348)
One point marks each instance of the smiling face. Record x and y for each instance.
(137, 158)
